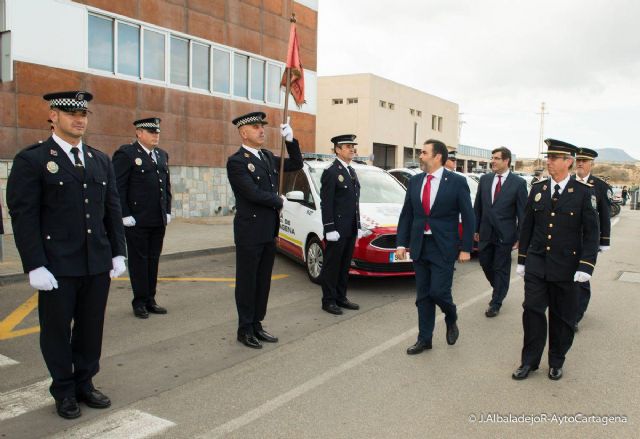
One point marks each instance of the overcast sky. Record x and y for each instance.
(498, 60)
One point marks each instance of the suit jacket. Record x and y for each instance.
(499, 222)
(255, 186)
(144, 186)
(70, 225)
(601, 191)
(339, 200)
(452, 202)
(557, 242)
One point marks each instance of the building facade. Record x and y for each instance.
(388, 118)
(196, 64)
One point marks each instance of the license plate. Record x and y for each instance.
(392, 258)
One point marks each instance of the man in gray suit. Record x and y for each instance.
(499, 209)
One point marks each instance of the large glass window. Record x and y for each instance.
(274, 76)
(128, 49)
(179, 61)
(200, 66)
(154, 54)
(100, 43)
(221, 71)
(240, 75)
(257, 79)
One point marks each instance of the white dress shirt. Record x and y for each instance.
(255, 152)
(66, 147)
(149, 152)
(495, 183)
(562, 184)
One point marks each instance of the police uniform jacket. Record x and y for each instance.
(601, 190)
(255, 186)
(72, 226)
(340, 200)
(557, 242)
(144, 186)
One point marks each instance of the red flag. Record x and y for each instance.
(294, 65)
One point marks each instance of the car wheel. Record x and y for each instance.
(314, 259)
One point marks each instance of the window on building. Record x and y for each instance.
(274, 76)
(200, 66)
(221, 71)
(383, 104)
(434, 122)
(352, 100)
(337, 101)
(412, 111)
(257, 79)
(179, 61)
(100, 43)
(154, 55)
(240, 75)
(128, 49)
(392, 106)
(419, 113)
(439, 123)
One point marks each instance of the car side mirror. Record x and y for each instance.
(296, 196)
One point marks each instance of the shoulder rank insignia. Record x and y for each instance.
(138, 161)
(251, 167)
(246, 155)
(340, 178)
(89, 154)
(584, 183)
(53, 152)
(537, 197)
(570, 190)
(540, 181)
(52, 167)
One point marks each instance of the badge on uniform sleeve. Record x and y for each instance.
(251, 167)
(537, 197)
(138, 161)
(52, 167)
(340, 178)
(594, 202)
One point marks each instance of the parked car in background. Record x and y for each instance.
(301, 235)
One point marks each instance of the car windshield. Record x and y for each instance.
(376, 186)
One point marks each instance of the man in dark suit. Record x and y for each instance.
(499, 208)
(253, 174)
(428, 225)
(339, 198)
(67, 224)
(144, 184)
(558, 247)
(584, 163)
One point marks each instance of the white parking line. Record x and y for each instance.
(311, 384)
(6, 361)
(25, 399)
(130, 424)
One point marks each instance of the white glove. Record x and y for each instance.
(520, 270)
(42, 280)
(604, 248)
(118, 267)
(360, 233)
(168, 218)
(286, 131)
(129, 221)
(581, 276)
(332, 236)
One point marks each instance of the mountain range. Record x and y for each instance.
(614, 155)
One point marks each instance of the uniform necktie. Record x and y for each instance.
(153, 158)
(77, 162)
(352, 172)
(498, 188)
(426, 199)
(556, 195)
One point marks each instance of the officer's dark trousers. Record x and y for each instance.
(254, 264)
(584, 295)
(144, 245)
(72, 352)
(434, 277)
(495, 260)
(562, 300)
(335, 269)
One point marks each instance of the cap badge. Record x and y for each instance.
(80, 96)
(53, 152)
(52, 167)
(251, 167)
(537, 197)
(138, 161)
(340, 178)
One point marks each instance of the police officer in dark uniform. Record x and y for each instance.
(339, 201)
(558, 247)
(253, 173)
(584, 163)
(142, 173)
(451, 162)
(67, 224)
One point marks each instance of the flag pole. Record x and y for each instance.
(285, 114)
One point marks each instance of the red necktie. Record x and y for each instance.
(498, 188)
(426, 199)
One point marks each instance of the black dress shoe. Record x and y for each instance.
(346, 303)
(154, 308)
(419, 347)
(523, 372)
(68, 408)
(249, 340)
(263, 335)
(140, 312)
(332, 309)
(555, 373)
(491, 312)
(94, 399)
(452, 333)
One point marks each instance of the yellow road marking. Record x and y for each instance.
(14, 319)
(204, 279)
